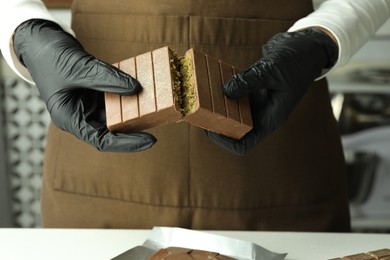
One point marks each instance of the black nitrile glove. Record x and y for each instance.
(72, 82)
(276, 83)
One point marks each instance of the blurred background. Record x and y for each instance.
(360, 94)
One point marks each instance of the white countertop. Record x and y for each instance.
(105, 244)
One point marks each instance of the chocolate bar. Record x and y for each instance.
(175, 88)
(382, 254)
(173, 253)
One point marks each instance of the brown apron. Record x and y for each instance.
(294, 180)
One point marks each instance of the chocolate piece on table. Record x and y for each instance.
(173, 253)
(187, 88)
(381, 253)
(361, 256)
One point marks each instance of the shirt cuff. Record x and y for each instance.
(16, 12)
(352, 23)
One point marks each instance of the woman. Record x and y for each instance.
(287, 174)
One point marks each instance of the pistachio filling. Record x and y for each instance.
(183, 83)
(187, 84)
(176, 77)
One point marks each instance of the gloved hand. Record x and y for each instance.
(276, 83)
(72, 82)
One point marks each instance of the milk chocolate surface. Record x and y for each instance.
(159, 104)
(177, 253)
(382, 254)
(215, 111)
(154, 105)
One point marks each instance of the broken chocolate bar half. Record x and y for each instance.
(175, 88)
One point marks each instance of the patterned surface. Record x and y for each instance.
(26, 122)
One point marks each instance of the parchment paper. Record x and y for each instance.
(163, 237)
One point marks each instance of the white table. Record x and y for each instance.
(104, 244)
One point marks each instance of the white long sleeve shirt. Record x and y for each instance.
(13, 13)
(352, 22)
